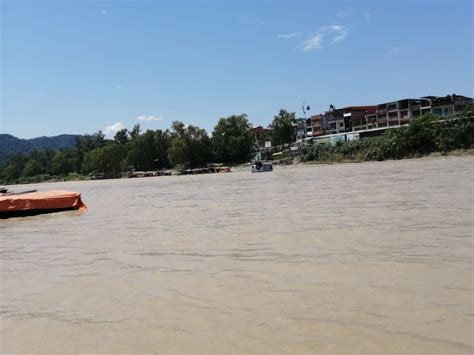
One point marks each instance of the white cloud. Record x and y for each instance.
(315, 41)
(104, 12)
(396, 50)
(339, 37)
(344, 13)
(149, 118)
(112, 129)
(288, 35)
(338, 33)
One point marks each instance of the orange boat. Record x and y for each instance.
(27, 204)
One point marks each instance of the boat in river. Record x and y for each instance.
(5, 192)
(261, 167)
(33, 203)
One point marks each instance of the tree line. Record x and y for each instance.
(232, 141)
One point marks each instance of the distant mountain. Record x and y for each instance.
(10, 145)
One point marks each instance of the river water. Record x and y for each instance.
(350, 258)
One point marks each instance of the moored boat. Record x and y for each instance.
(261, 167)
(33, 203)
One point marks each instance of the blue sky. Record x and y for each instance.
(82, 66)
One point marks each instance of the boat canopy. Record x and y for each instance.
(50, 200)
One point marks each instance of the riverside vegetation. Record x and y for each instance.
(424, 135)
(232, 142)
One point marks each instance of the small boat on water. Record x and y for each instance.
(33, 203)
(261, 167)
(4, 192)
(219, 168)
(223, 169)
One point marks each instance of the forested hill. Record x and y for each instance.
(10, 145)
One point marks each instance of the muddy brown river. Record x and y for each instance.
(350, 258)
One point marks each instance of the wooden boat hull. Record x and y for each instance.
(40, 202)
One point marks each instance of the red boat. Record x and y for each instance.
(32, 203)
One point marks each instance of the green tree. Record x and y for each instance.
(162, 142)
(199, 146)
(148, 151)
(104, 160)
(13, 169)
(32, 167)
(178, 129)
(121, 137)
(88, 143)
(178, 152)
(113, 154)
(135, 132)
(190, 145)
(93, 161)
(468, 111)
(99, 139)
(283, 131)
(63, 162)
(233, 139)
(132, 158)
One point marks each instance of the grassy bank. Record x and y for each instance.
(423, 136)
(452, 153)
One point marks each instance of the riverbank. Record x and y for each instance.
(454, 153)
(425, 135)
(297, 160)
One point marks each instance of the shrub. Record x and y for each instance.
(426, 134)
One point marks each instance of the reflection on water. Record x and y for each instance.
(371, 257)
